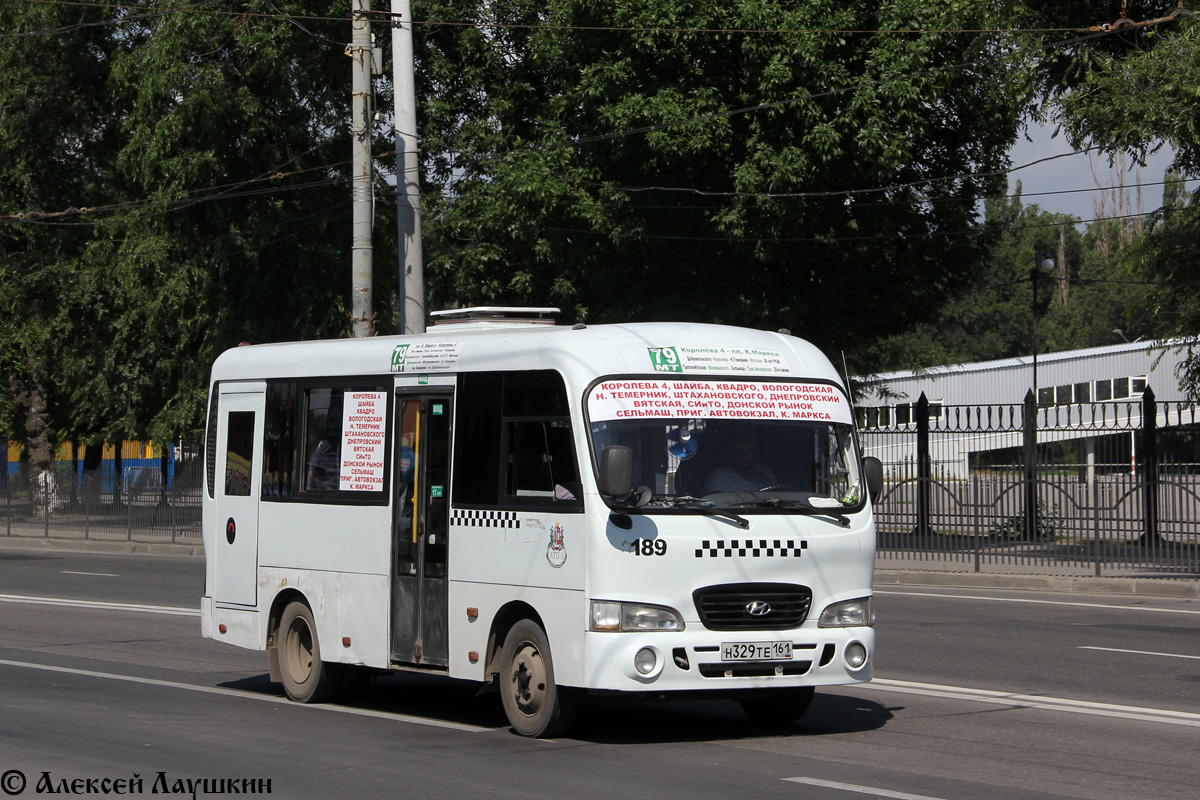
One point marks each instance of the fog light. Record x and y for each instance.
(645, 661)
(856, 655)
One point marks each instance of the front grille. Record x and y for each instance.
(755, 669)
(727, 607)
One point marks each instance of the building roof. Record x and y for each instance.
(1008, 379)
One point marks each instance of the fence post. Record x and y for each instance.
(924, 466)
(1030, 441)
(45, 479)
(1149, 468)
(128, 509)
(977, 512)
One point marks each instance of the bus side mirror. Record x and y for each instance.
(873, 473)
(616, 471)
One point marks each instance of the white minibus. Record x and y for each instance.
(654, 510)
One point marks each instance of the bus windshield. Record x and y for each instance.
(741, 445)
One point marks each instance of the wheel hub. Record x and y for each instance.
(529, 680)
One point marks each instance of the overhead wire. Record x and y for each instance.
(849, 193)
(388, 16)
(583, 140)
(981, 230)
(147, 13)
(885, 203)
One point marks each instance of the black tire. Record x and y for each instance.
(306, 678)
(536, 705)
(778, 706)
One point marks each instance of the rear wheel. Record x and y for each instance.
(536, 705)
(306, 678)
(778, 706)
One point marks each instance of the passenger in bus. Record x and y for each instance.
(744, 473)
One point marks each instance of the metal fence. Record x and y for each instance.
(1115, 489)
(142, 504)
(1099, 488)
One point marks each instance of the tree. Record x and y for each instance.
(190, 164)
(1092, 292)
(992, 317)
(1135, 101)
(54, 145)
(651, 163)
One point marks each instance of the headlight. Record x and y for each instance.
(611, 616)
(850, 614)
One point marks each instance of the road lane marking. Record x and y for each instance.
(1137, 652)
(191, 687)
(97, 574)
(97, 604)
(1045, 703)
(1044, 602)
(850, 787)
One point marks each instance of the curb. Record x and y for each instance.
(100, 546)
(1155, 587)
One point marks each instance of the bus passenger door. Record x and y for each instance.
(239, 483)
(420, 527)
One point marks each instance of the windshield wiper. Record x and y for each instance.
(801, 506)
(699, 505)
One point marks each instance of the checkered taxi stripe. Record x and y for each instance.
(754, 548)
(485, 519)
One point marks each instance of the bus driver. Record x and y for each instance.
(744, 473)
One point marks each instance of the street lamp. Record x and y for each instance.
(1043, 265)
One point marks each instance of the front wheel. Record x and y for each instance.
(306, 678)
(778, 706)
(536, 705)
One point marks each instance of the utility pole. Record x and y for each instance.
(360, 50)
(408, 182)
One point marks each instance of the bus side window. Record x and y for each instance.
(210, 444)
(239, 453)
(323, 439)
(541, 459)
(279, 440)
(514, 432)
(303, 439)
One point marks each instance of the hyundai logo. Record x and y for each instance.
(758, 608)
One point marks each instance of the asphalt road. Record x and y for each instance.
(979, 694)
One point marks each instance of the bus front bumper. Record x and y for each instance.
(711, 660)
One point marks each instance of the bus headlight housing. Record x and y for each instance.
(848, 614)
(608, 615)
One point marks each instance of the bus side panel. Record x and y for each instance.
(535, 557)
(519, 548)
(563, 614)
(243, 627)
(345, 606)
(333, 538)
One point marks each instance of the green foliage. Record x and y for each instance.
(561, 173)
(1139, 101)
(52, 149)
(1049, 524)
(213, 149)
(1168, 254)
(1093, 290)
(1134, 101)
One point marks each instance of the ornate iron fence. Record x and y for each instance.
(1110, 488)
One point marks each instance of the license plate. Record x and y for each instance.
(755, 651)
